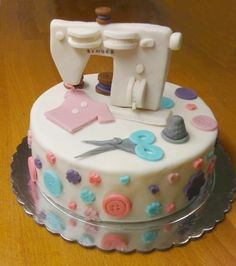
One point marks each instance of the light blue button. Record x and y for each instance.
(52, 183)
(166, 103)
(142, 137)
(149, 152)
(124, 180)
(54, 223)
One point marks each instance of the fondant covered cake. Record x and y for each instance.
(126, 147)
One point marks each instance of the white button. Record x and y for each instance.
(121, 35)
(139, 68)
(75, 111)
(60, 35)
(84, 43)
(146, 42)
(83, 104)
(120, 44)
(175, 41)
(83, 33)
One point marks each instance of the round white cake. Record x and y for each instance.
(114, 184)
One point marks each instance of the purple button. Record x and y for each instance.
(38, 163)
(186, 94)
(154, 189)
(204, 123)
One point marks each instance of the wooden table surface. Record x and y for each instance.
(207, 63)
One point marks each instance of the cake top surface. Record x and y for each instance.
(64, 143)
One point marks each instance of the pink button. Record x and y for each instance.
(51, 158)
(33, 190)
(32, 169)
(114, 241)
(197, 164)
(191, 106)
(211, 167)
(117, 205)
(204, 123)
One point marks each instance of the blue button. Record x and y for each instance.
(142, 137)
(166, 103)
(52, 183)
(149, 152)
(124, 180)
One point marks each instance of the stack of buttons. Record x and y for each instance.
(104, 85)
(103, 15)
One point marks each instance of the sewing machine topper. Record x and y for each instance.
(140, 53)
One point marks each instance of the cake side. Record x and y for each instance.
(117, 185)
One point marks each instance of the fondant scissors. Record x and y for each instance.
(139, 142)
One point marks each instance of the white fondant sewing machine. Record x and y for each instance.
(140, 55)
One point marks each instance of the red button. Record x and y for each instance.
(32, 169)
(116, 205)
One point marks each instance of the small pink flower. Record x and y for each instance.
(91, 229)
(94, 179)
(51, 158)
(72, 205)
(91, 214)
(170, 207)
(197, 164)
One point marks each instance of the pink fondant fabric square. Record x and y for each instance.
(78, 110)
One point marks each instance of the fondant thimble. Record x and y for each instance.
(175, 130)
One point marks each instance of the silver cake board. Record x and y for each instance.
(200, 216)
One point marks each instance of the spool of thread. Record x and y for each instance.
(104, 85)
(103, 15)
